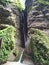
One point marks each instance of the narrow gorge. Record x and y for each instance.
(24, 29)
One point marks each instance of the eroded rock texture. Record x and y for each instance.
(38, 17)
(9, 15)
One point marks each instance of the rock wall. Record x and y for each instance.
(9, 15)
(38, 16)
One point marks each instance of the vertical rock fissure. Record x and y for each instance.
(23, 27)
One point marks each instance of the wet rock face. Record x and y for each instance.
(38, 17)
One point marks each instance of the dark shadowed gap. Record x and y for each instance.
(23, 27)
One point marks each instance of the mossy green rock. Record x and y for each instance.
(8, 42)
(39, 44)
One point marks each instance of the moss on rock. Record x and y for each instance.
(8, 42)
(39, 44)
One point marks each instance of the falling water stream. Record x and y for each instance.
(23, 30)
(23, 27)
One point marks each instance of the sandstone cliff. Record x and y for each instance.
(10, 15)
(38, 15)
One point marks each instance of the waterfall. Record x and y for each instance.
(23, 30)
(23, 27)
(21, 56)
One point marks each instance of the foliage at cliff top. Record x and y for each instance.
(39, 44)
(16, 2)
(8, 42)
(19, 4)
(46, 2)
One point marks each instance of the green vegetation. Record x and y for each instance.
(39, 44)
(8, 42)
(16, 2)
(46, 2)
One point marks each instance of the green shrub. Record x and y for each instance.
(8, 42)
(18, 3)
(39, 44)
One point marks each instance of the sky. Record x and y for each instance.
(23, 3)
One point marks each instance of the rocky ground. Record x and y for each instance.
(26, 59)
